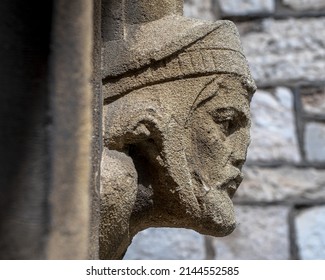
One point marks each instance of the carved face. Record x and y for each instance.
(219, 139)
(188, 141)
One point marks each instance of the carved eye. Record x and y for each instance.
(226, 120)
(228, 126)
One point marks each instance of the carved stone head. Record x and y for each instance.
(176, 131)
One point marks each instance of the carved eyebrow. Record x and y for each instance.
(247, 91)
(225, 110)
(230, 111)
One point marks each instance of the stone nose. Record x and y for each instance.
(239, 145)
(238, 153)
(238, 163)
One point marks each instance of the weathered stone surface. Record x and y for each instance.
(314, 142)
(246, 7)
(302, 5)
(117, 200)
(281, 184)
(203, 160)
(261, 233)
(273, 129)
(310, 227)
(176, 93)
(201, 9)
(287, 50)
(313, 100)
(166, 244)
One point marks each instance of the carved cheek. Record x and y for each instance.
(209, 142)
(212, 134)
(239, 142)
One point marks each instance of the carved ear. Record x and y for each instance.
(140, 132)
(128, 135)
(128, 125)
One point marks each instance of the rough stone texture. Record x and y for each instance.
(117, 201)
(201, 9)
(310, 229)
(166, 244)
(284, 50)
(313, 100)
(97, 137)
(203, 161)
(177, 109)
(273, 130)
(246, 7)
(302, 5)
(281, 184)
(261, 233)
(287, 50)
(314, 142)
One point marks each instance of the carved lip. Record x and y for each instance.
(231, 185)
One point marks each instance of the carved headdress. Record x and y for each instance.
(199, 48)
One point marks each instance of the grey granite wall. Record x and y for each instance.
(281, 203)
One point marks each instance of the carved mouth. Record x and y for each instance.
(232, 184)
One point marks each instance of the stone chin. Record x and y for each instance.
(216, 215)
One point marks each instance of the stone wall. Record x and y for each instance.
(281, 203)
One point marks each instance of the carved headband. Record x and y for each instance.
(215, 49)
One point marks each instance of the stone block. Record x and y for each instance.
(286, 50)
(167, 244)
(302, 5)
(246, 7)
(261, 233)
(310, 227)
(281, 184)
(273, 134)
(313, 100)
(201, 9)
(314, 142)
